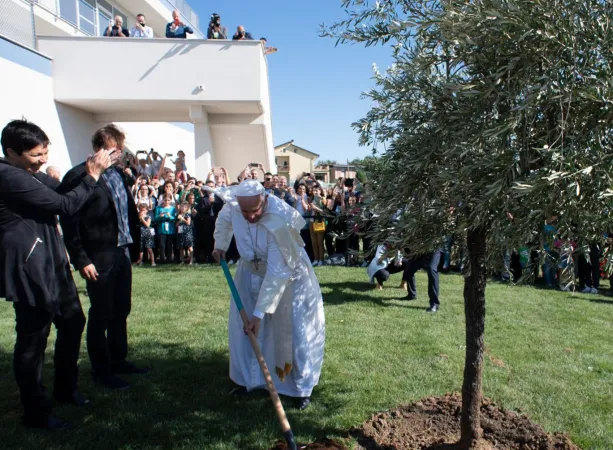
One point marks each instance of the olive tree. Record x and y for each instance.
(494, 115)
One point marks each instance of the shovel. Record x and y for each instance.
(274, 396)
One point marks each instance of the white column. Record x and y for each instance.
(204, 152)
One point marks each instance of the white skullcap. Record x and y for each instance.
(249, 188)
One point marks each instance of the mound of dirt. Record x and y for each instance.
(434, 424)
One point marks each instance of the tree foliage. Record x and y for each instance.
(490, 110)
(495, 115)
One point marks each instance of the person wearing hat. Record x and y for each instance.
(279, 290)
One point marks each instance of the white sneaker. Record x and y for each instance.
(594, 291)
(586, 290)
(314, 264)
(231, 262)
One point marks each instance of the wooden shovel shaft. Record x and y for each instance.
(272, 390)
(269, 382)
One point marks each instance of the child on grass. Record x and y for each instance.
(147, 235)
(185, 233)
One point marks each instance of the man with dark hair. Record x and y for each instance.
(101, 239)
(34, 271)
(140, 28)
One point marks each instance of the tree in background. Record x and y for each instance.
(496, 114)
(327, 162)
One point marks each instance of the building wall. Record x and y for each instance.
(297, 161)
(27, 91)
(163, 137)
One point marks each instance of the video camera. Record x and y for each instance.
(215, 20)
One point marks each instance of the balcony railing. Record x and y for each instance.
(284, 169)
(17, 22)
(93, 20)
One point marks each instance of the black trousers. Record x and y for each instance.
(589, 271)
(208, 242)
(428, 262)
(384, 274)
(167, 243)
(111, 300)
(33, 326)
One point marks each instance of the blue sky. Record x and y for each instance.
(315, 86)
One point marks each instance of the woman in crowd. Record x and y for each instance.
(353, 240)
(146, 235)
(34, 270)
(168, 190)
(143, 197)
(317, 227)
(165, 218)
(336, 206)
(302, 206)
(185, 233)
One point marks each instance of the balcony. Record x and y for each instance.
(143, 79)
(219, 86)
(283, 169)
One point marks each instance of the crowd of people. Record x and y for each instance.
(177, 29)
(178, 212)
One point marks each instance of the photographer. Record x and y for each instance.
(117, 30)
(241, 34)
(140, 28)
(216, 31)
(177, 29)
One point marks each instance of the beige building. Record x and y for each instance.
(292, 161)
(331, 173)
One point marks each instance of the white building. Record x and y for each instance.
(207, 98)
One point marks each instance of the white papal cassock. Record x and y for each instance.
(285, 272)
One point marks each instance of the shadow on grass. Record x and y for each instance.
(185, 402)
(349, 292)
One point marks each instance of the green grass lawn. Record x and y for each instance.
(549, 353)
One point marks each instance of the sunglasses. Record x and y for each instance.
(268, 179)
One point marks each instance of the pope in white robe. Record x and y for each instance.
(279, 291)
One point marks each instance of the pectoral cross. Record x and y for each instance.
(256, 261)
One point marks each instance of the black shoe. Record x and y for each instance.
(76, 399)
(432, 309)
(111, 382)
(127, 368)
(239, 391)
(409, 298)
(49, 422)
(303, 403)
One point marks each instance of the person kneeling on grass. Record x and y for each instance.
(382, 266)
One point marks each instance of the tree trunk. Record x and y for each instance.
(474, 310)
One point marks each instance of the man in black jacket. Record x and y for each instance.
(102, 239)
(208, 210)
(34, 271)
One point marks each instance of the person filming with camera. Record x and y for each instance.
(242, 35)
(140, 28)
(216, 30)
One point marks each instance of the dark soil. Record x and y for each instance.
(434, 424)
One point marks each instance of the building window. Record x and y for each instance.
(68, 11)
(87, 16)
(104, 19)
